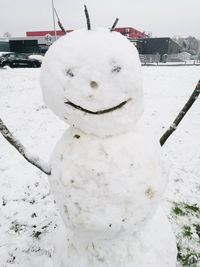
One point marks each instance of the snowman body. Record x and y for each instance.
(102, 187)
(108, 200)
(106, 175)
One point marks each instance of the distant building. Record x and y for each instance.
(24, 46)
(126, 31)
(158, 49)
(131, 33)
(161, 46)
(4, 45)
(44, 38)
(45, 33)
(38, 42)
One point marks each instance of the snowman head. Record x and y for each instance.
(92, 80)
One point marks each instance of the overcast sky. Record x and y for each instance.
(161, 17)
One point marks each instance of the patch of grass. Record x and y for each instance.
(186, 217)
(184, 209)
(193, 208)
(187, 231)
(197, 228)
(178, 211)
(191, 259)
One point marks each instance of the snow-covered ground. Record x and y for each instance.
(29, 221)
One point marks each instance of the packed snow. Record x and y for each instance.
(106, 183)
(97, 75)
(30, 224)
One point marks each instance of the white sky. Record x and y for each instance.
(161, 17)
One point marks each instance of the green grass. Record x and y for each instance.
(186, 219)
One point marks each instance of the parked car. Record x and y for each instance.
(38, 57)
(17, 60)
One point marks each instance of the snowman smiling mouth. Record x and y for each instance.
(98, 112)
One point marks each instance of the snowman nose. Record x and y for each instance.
(93, 84)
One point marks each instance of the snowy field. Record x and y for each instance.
(29, 221)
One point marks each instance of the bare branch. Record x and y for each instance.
(34, 160)
(114, 25)
(87, 17)
(59, 22)
(182, 113)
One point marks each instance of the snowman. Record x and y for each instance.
(106, 174)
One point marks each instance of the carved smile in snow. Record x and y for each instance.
(98, 112)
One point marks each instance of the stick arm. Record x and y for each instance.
(181, 114)
(31, 158)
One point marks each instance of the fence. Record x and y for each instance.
(173, 58)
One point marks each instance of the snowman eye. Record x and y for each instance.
(116, 69)
(69, 73)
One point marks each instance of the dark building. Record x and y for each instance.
(4, 46)
(24, 46)
(161, 46)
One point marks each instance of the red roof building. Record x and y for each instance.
(44, 33)
(127, 31)
(131, 33)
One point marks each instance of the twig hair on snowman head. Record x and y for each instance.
(87, 17)
(114, 25)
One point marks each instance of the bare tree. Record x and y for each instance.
(7, 35)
